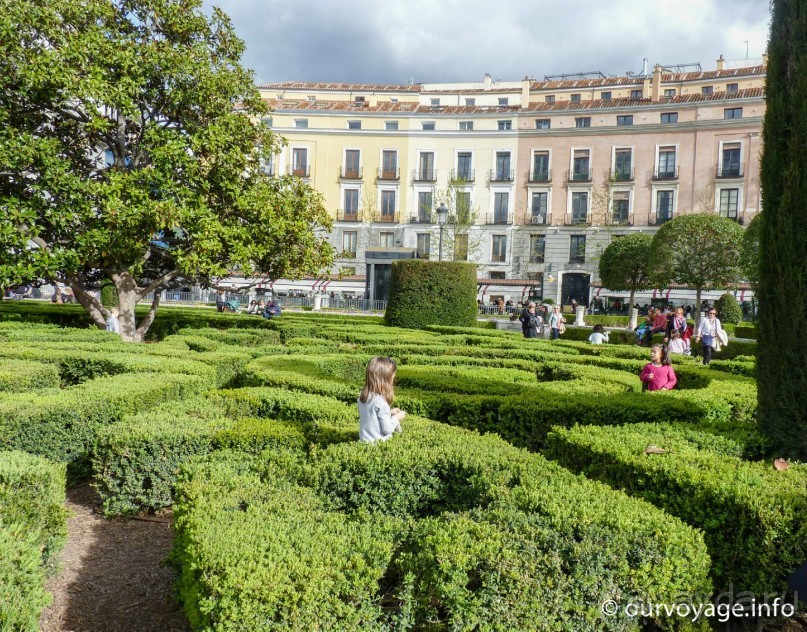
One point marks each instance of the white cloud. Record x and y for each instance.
(460, 40)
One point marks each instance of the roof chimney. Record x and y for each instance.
(655, 90)
(525, 92)
(721, 63)
(764, 60)
(488, 81)
(645, 67)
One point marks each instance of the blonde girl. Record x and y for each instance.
(377, 422)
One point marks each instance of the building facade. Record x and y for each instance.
(537, 176)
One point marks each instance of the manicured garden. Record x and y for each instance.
(520, 496)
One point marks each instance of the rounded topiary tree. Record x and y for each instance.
(432, 293)
(729, 309)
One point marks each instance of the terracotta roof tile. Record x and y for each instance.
(341, 87)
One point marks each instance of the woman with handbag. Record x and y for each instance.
(556, 323)
(708, 332)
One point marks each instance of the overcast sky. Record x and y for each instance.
(393, 41)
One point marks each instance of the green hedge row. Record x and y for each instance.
(62, 424)
(19, 375)
(473, 533)
(33, 529)
(751, 514)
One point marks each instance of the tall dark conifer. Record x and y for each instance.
(782, 365)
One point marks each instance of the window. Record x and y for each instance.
(348, 270)
(503, 173)
(470, 101)
(312, 97)
(461, 247)
(635, 94)
(464, 166)
(423, 245)
(301, 123)
(351, 203)
(501, 203)
(504, 125)
(387, 205)
(435, 102)
(666, 162)
(549, 98)
(542, 124)
(540, 167)
(728, 202)
(580, 165)
(579, 207)
(605, 96)
(625, 119)
(391, 126)
(466, 126)
(664, 206)
(499, 248)
(539, 206)
(731, 165)
(358, 100)
(349, 240)
(582, 121)
(498, 274)
(425, 207)
(621, 207)
(299, 162)
(577, 249)
(428, 126)
(267, 121)
(386, 240)
(707, 90)
(732, 113)
(354, 124)
(389, 164)
(352, 160)
(393, 99)
(504, 100)
(537, 248)
(668, 118)
(426, 171)
(462, 204)
(623, 164)
(732, 87)
(574, 98)
(669, 93)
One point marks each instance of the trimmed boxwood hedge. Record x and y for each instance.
(432, 293)
(19, 375)
(751, 514)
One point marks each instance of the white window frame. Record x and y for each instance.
(344, 157)
(397, 158)
(621, 189)
(658, 153)
(540, 188)
(513, 154)
(388, 129)
(492, 200)
(467, 129)
(455, 164)
(720, 153)
(740, 197)
(614, 149)
(590, 162)
(350, 121)
(350, 186)
(540, 150)
(664, 187)
(504, 260)
(300, 120)
(578, 189)
(395, 189)
(423, 125)
(418, 189)
(308, 161)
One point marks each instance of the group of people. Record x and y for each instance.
(269, 309)
(537, 321)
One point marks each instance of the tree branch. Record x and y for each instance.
(165, 278)
(149, 317)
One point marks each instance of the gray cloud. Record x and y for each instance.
(460, 40)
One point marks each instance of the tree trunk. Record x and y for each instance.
(89, 303)
(698, 292)
(127, 301)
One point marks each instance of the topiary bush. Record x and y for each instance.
(729, 309)
(432, 293)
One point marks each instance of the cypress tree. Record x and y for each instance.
(782, 359)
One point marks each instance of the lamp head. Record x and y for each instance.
(442, 213)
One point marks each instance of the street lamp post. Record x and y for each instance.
(442, 215)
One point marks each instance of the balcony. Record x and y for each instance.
(422, 255)
(539, 175)
(422, 218)
(622, 175)
(501, 175)
(536, 219)
(499, 219)
(389, 175)
(740, 219)
(424, 175)
(576, 219)
(384, 218)
(665, 174)
(350, 173)
(347, 216)
(583, 175)
(729, 171)
(659, 218)
(463, 175)
(577, 258)
(619, 219)
(301, 172)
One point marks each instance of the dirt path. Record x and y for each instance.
(112, 577)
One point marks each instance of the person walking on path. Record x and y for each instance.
(556, 322)
(658, 374)
(377, 421)
(531, 322)
(708, 334)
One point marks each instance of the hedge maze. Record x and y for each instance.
(520, 495)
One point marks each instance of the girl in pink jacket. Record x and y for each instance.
(658, 374)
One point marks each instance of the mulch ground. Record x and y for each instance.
(113, 574)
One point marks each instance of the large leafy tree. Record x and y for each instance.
(625, 264)
(782, 359)
(131, 151)
(700, 250)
